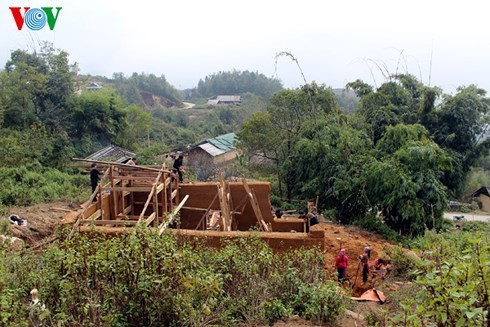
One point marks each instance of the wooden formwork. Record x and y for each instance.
(130, 195)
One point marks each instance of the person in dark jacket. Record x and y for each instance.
(341, 263)
(178, 169)
(94, 176)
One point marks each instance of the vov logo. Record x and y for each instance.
(35, 18)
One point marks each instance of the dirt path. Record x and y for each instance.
(353, 240)
(42, 220)
(468, 216)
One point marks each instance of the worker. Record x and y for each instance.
(383, 266)
(94, 177)
(364, 261)
(278, 213)
(178, 167)
(132, 162)
(341, 263)
(378, 263)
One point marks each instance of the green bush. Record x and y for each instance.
(476, 226)
(141, 279)
(373, 223)
(25, 185)
(403, 263)
(454, 283)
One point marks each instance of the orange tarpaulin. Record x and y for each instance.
(371, 295)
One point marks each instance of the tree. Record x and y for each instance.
(273, 135)
(404, 182)
(236, 82)
(137, 127)
(98, 117)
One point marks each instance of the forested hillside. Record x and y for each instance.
(406, 149)
(236, 82)
(134, 88)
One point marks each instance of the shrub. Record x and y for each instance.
(476, 226)
(373, 223)
(140, 279)
(454, 283)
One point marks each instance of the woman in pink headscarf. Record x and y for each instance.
(341, 263)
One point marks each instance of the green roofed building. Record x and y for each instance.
(210, 154)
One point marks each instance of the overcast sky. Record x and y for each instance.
(334, 42)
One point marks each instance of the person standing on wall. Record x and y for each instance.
(178, 167)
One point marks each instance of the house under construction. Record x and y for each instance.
(129, 195)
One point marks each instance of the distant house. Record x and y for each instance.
(208, 155)
(225, 100)
(112, 153)
(93, 87)
(482, 195)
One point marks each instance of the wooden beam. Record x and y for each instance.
(129, 188)
(95, 215)
(135, 167)
(109, 222)
(150, 219)
(148, 200)
(171, 218)
(86, 206)
(207, 210)
(255, 205)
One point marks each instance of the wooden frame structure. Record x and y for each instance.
(128, 195)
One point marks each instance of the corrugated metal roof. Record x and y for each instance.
(211, 149)
(112, 153)
(228, 98)
(212, 102)
(224, 142)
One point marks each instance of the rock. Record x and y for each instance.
(14, 243)
(354, 315)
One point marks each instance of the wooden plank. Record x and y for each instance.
(174, 193)
(128, 209)
(150, 219)
(95, 215)
(223, 203)
(148, 200)
(136, 178)
(109, 222)
(207, 210)
(129, 188)
(171, 218)
(86, 206)
(112, 202)
(120, 165)
(255, 205)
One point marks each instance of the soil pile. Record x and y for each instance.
(42, 220)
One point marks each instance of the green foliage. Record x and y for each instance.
(132, 87)
(24, 185)
(141, 279)
(404, 262)
(236, 82)
(375, 224)
(476, 226)
(454, 283)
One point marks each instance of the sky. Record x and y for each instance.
(444, 43)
